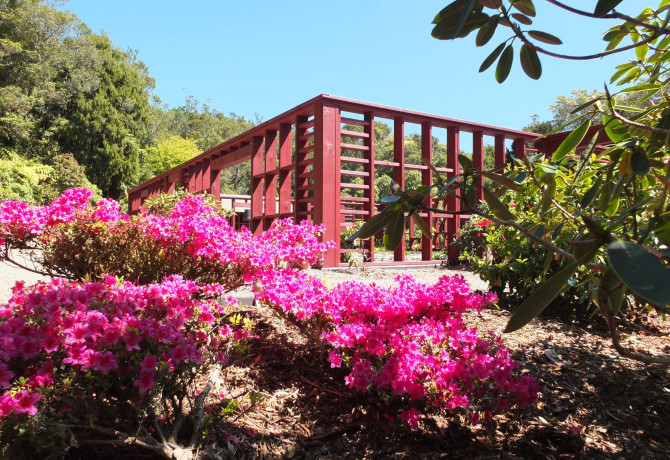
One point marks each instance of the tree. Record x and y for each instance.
(609, 206)
(167, 154)
(106, 128)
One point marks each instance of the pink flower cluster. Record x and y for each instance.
(191, 229)
(115, 330)
(410, 340)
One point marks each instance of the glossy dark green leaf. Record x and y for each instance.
(605, 6)
(491, 58)
(609, 281)
(546, 201)
(486, 32)
(525, 6)
(544, 37)
(390, 199)
(470, 196)
(494, 4)
(522, 18)
(502, 180)
(463, 16)
(572, 141)
(451, 28)
(642, 272)
(530, 62)
(451, 10)
(591, 193)
(497, 208)
(540, 298)
(395, 231)
(373, 225)
(505, 64)
(465, 162)
(640, 163)
(557, 230)
(421, 223)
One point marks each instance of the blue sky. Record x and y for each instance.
(266, 56)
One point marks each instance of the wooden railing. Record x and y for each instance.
(302, 153)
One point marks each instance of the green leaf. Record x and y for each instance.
(581, 107)
(642, 272)
(502, 180)
(497, 208)
(640, 163)
(641, 52)
(641, 87)
(421, 223)
(469, 6)
(609, 281)
(505, 64)
(591, 193)
(491, 58)
(465, 162)
(373, 225)
(525, 6)
(572, 141)
(540, 298)
(395, 231)
(470, 196)
(486, 31)
(615, 130)
(522, 18)
(605, 6)
(530, 62)
(544, 37)
(451, 10)
(459, 22)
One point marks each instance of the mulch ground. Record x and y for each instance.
(594, 404)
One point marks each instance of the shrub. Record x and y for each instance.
(114, 354)
(81, 241)
(410, 341)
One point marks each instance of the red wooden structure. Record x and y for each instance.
(300, 159)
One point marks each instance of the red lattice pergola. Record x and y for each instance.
(301, 153)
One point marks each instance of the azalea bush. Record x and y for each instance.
(118, 355)
(410, 341)
(79, 240)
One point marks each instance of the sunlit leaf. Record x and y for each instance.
(502, 180)
(421, 223)
(572, 141)
(497, 208)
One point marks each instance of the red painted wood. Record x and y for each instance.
(206, 174)
(452, 203)
(399, 172)
(270, 178)
(256, 185)
(427, 179)
(327, 169)
(285, 165)
(520, 148)
(302, 163)
(501, 158)
(369, 181)
(478, 160)
(215, 180)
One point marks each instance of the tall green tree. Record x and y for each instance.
(106, 127)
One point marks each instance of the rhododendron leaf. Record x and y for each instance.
(571, 141)
(425, 229)
(642, 272)
(609, 281)
(502, 180)
(497, 208)
(395, 231)
(373, 225)
(540, 298)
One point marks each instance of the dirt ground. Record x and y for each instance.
(289, 403)
(594, 403)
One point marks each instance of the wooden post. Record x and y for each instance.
(270, 177)
(501, 152)
(478, 160)
(399, 173)
(520, 148)
(369, 168)
(427, 179)
(327, 176)
(257, 185)
(453, 203)
(285, 133)
(301, 182)
(215, 180)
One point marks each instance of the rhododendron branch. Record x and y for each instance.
(200, 406)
